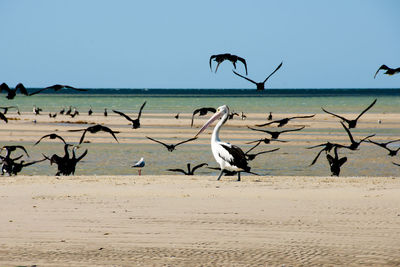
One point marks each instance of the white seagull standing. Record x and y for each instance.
(140, 164)
(229, 157)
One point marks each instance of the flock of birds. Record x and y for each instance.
(232, 160)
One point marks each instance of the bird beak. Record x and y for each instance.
(211, 120)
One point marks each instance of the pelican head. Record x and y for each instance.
(221, 111)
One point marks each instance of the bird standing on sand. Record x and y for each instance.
(139, 165)
(135, 122)
(260, 85)
(389, 71)
(232, 58)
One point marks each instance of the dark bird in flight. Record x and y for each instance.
(260, 85)
(284, 121)
(250, 157)
(335, 163)
(354, 145)
(266, 141)
(3, 117)
(327, 147)
(389, 71)
(275, 135)
(172, 146)
(12, 148)
(52, 115)
(189, 170)
(392, 152)
(94, 129)
(57, 87)
(51, 136)
(232, 58)
(202, 112)
(11, 93)
(352, 123)
(135, 122)
(18, 166)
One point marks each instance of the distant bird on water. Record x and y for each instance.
(202, 112)
(232, 58)
(389, 71)
(260, 85)
(135, 122)
(57, 87)
(189, 170)
(172, 146)
(94, 129)
(139, 165)
(11, 93)
(352, 123)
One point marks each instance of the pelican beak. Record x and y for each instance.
(216, 116)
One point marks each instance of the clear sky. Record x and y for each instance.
(167, 44)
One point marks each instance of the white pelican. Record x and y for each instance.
(229, 157)
(140, 164)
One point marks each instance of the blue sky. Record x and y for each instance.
(167, 44)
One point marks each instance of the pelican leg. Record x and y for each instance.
(220, 174)
(238, 177)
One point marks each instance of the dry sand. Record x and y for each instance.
(197, 221)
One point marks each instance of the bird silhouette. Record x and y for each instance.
(57, 87)
(392, 152)
(189, 170)
(269, 116)
(51, 136)
(232, 58)
(335, 163)
(172, 146)
(275, 134)
(11, 93)
(18, 166)
(352, 123)
(176, 116)
(284, 121)
(90, 111)
(3, 117)
(94, 129)
(389, 71)
(260, 85)
(37, 110)
(266, 141)
(135, 122)
(12, 148)
(5, 109)
(202, 112)
(327, 147)
(354, 145)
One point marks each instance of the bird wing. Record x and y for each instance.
(194, 113)
(5, 87)
(38, 91)
(280, 65)
(244, 63)
(340, 117)
(83, 136)
(316, 158)
(256, 145)
(82, 156)
(188, 140)
(250, 80)
(302, 117)
(365, 110)
(73, 88)
(348, 133)
(267, 151)
(265, 124)
(397, 164)
(178, 170)
(157, 141)
(108, 130)
(260, 130)
(33, 162)
(293, 130)
(21, 89)
(233, 155)
(122, 114)
(3, 117)
(140, 110)
(199, 166)
(213, 56)
(383, 67)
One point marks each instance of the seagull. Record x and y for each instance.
(171, 147)
(389, 71)
(202, 112)
(229, 157)
(11, 93)
(189, 170)
(352, 123)
(51, 136)
(57, 87)
(232, 58)
(392, 152)
(94, 129)
(284, 121)
(275, 135)
(335, 162)
(140, 164)
(135, 122)
(260, 85)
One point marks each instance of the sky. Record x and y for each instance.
(167, 44)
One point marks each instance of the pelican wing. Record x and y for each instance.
(234, 156)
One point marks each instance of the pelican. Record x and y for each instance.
(229, 157)
(140, 164)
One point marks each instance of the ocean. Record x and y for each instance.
(118, 158)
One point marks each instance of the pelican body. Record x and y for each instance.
(228, 156)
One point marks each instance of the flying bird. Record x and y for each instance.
(57, 87)
(275, 134)
(11, 93)
(354, 144)
(189, 170)
(266, 141)
(172, 146)
(3, 117)
(94, 129)
(352, 123)
(51, 136)
(228, 156)
(135, 122)
(260, 85)
(392, 152)
(335, 163)
(18, 166)
(284, 121)
(202, 112)
(389, 71)
(327, 147)
(232, 58)
(12, 148)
